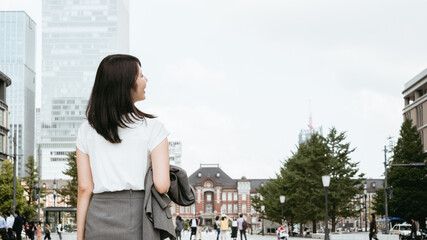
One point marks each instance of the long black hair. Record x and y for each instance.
(111, 104)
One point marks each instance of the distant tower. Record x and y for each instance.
(18, 62)
(175, 152)
(305, 134)
(77, 35)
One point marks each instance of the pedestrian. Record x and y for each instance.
(413, 229)
(17, 225)
(199, 227)
(32, 230)
(178, 227)
(39, 231)
(224, 227)
(114, 148)
(47, 231)
(373, 228)
(193, 225)
(234, 226)
(217, 227)
(59, 230)
(243, 225)
(10, 219)
(3, 227)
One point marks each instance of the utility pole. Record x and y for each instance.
(385, 190)
(38, 182)
(14, 171)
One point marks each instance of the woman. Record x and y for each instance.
(39, 232)
(234, 228)
(178, 227)
(223, 227)
(114, 148)
(47, 231)
(373, 228)
(218, 229)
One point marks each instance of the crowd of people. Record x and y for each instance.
(14, 226)
(221, 225)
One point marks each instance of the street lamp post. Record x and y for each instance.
(54, 192)
(282, 201)
(262, 211)
(366, 212)
(326, 180)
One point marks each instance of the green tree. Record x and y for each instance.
(31, 180)
(378, 202)
(346, 183)
(69, 192)
(409, 183)
(300, 181)
(6, 189)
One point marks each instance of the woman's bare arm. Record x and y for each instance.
(85, 189)
(160, 163)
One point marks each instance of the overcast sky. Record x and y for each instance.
(232, 79)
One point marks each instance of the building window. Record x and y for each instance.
(230, 208)
(230, 196)
(209, 197)
(223, 208)
(243, 197)
(235, 196)
(235, 208)
(373, 185)
(199, 175)
(224, 196)
(218, 175)
(208, 208)
(243, 208)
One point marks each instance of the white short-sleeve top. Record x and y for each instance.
(121, 166)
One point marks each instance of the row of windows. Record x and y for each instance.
(232, 196)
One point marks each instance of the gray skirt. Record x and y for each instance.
(115, 215)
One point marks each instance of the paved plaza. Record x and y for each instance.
(212, 236)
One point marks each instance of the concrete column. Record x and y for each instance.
(406, 101)
(417, 94)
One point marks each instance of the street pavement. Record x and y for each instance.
(212, 236)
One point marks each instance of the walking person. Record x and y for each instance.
(373, 228)
(3, 227)
(17, 225)
(115, 147)
(178, 227)
(59, 230)
(47, 231)
(413, 229)
(10, 219)
(39, 231)
(234, 226)
(217, 227)
(199, 227)
(223, 227)
(193, 225)
(243, 225)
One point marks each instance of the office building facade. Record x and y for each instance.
(5, 81)
(415, 99)
(77, 35)
(175, 153)
(17, 61)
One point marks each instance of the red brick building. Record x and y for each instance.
(217, 194)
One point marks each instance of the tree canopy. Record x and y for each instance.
(409, 184)
(299, 179)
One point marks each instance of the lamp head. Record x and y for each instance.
(326, 180)
(282, 199)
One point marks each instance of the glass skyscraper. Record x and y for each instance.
(77, 35)
(17, 61)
